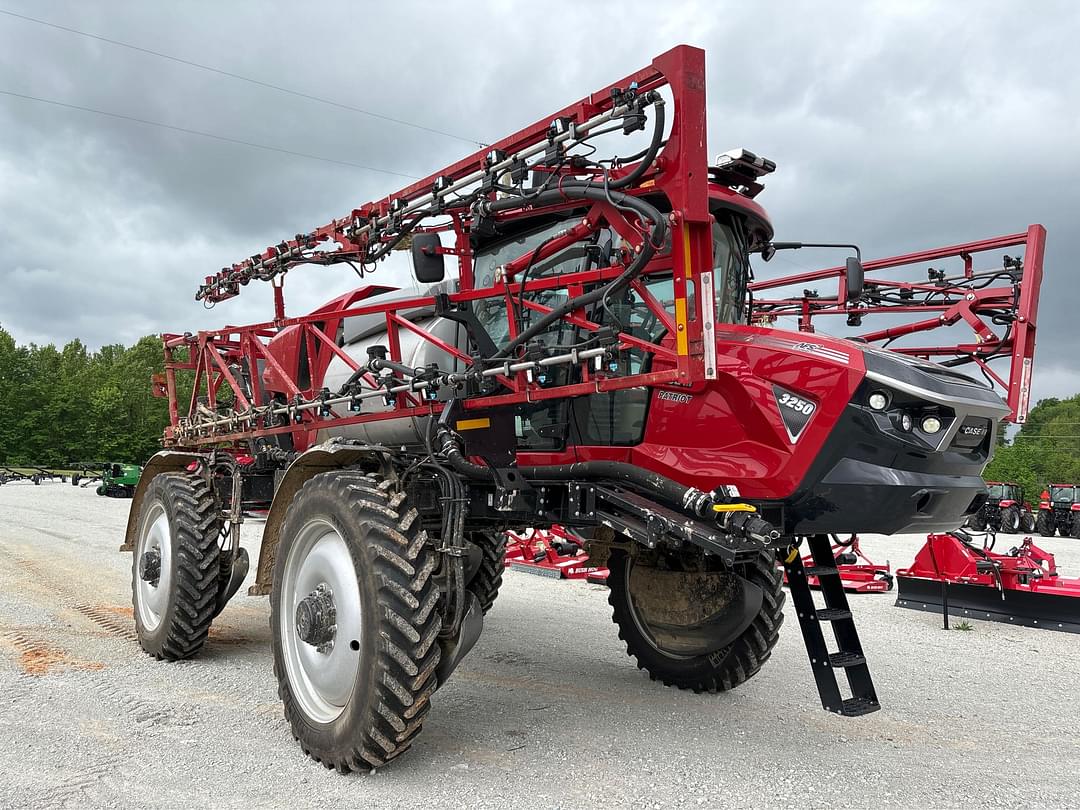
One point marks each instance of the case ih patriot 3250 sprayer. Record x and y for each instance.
(590, 364)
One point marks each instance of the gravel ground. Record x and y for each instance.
(547, 711)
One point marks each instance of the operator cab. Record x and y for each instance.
(615, 418)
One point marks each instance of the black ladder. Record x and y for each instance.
(849, 657)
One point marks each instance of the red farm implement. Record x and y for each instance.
(594, 360)
(858, 573)
(954, 576)
(552, 552)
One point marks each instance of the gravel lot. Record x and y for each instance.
(547, 711)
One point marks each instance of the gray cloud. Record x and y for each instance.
(899, 126)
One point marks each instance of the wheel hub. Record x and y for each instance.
(316, 617)
(150, 566)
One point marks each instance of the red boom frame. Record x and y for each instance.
(951, 306)
(216, 357)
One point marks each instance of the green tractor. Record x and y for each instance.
(119, 480)
(1060, 513)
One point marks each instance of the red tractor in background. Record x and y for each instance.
(1060, 514)
(1005, 511)
(601, 360)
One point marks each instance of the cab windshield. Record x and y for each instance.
(996, 492)
(1061, 494)
(731, 271)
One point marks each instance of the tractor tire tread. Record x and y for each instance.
(195, 534)
(488, 578)
(401, 561)
(742, 659)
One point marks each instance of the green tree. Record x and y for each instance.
(1046, 449)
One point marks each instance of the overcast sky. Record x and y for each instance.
(895, 125)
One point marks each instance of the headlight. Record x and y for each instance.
(878, 400)
(906, 421)
(931, 424)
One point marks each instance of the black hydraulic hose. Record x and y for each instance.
(650, 153)
(456, 459)
(588, 191)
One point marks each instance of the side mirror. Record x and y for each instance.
(428, 263)
(854, 276)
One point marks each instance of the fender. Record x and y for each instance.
(330, 455)
(161, 462)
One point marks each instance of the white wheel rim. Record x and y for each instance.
(321, 678)
(152, 600)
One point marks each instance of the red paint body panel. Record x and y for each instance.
(731, 429)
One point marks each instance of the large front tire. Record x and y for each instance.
(977, 522)
(175, 567)
(487, 580)
(1027, 522)
(1010, 520)
(356, 687)
(1045, 523)
(718, 670)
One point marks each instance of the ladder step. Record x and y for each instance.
(832, 614)
(821, 570)
(856, 706)
(846, 659)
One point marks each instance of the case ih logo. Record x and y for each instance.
(972, 430)
(675, 396)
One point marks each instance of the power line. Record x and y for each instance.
(238, 77)
(216, 137)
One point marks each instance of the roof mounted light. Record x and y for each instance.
(745, 161)
(740, 169)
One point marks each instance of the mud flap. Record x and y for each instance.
(1025, 608)
(453, 650)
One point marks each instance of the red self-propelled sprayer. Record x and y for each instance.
(592, 359)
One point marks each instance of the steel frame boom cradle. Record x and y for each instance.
(679, 173)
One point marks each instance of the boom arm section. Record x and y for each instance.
(655, 203)
(999, 305)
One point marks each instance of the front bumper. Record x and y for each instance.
(873, 476)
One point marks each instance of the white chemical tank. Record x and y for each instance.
(361, 332)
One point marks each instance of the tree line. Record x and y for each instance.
(70, 405)
(1045, 450)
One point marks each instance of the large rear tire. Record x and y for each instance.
(175, 567)
(718, 670)
(1075, 527)
(355, 686)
